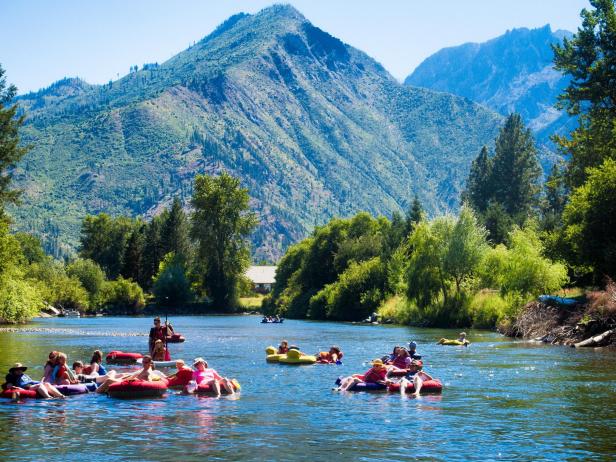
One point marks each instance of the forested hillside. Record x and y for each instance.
(313, 127)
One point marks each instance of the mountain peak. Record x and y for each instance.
(282, 10)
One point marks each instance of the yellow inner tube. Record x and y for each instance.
(446, 341)
(272, 355)
(297, 357)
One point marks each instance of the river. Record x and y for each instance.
(502, 399)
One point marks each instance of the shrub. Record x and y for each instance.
(122, 295)
(487, 308)
(19, 300)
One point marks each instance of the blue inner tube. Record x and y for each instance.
(76, 389)
(363, 386)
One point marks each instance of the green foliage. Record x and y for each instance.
(338, 272)
(122, 295)
(446, 256)
(356, 294)
(487, 308)
(588, 58)
(505, 189)
(479, 186)
(590, 220)
(11, 149)
(172, 286)
(90, 275)
(221, 225)
(104, 239)
(19, 300)
(31, 248)
(522, 269)
(56, 287)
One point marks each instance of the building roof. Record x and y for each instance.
(262, 274)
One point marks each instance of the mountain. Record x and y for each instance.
(314, 127)
(511, 73)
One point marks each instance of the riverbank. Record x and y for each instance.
(585, 321)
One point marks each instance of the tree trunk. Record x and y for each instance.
(597, 340)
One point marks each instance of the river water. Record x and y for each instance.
(502, 399)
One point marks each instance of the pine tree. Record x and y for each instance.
(479, 189)
(10, 149)
(589, 58)
(515, 169)
(175, 231)
(414, 215)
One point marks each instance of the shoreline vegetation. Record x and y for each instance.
(516, 237)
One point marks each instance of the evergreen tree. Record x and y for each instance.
(479, 189)
(555, 198)
(10, 149)
(153, 251)
(589, 58)
(221, 225)
(414, 215)
(133, 254)
(515, 170)
(175, 231)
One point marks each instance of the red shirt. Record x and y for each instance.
(375, 375)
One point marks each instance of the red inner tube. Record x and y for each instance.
(429, 386)
(22, 393)
(120, 357)
(138, 389)
(181, 378)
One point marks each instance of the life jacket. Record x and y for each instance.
(375, 375)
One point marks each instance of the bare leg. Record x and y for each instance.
(403, 384)
(216, 387)
(418, 382)
(228, 386)
(41, 390)
(53, 391)
(351, 382)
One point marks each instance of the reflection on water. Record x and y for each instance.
(502, 400)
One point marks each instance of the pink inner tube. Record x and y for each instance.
(23, 394)
(134, 389)
(120, 357)
(428, 387)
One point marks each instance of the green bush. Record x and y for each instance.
(90, 275)
(171, 284)
(358, 292)
(56, 287)
(19, 300)
(122, 296)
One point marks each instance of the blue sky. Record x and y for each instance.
(42, 41)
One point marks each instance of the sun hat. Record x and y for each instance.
(18, 366)
(377, 362)
(199, 360)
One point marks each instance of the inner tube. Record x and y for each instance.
(176, 338)
(120, 357)
(429, 387)
(20, 393)
(74, 389)
(363, 386)
(446, 341)
(272, 355)
(136, 389)
(181, 379)
(297, 358)
(203, 389)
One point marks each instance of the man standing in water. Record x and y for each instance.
(157, 332)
